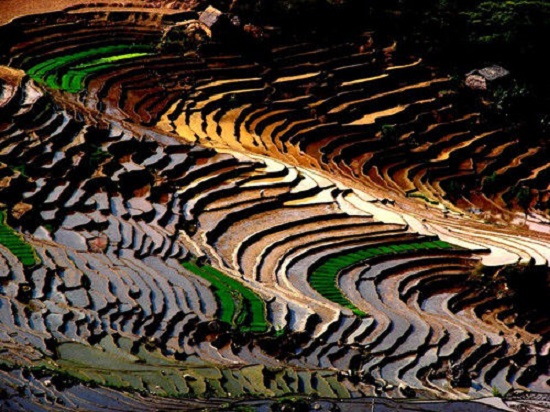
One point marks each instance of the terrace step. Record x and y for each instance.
(116, 201)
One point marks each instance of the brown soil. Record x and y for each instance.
(10, 9)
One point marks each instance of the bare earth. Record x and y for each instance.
(10, 9)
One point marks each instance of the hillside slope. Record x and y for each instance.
(211, 223)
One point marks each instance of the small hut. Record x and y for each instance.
(479, 78)
(212, 20)
(476, 82)
(492, 73)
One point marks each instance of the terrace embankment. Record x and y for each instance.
(271, 225)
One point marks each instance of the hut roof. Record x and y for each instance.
(210, 16)
(491, 73)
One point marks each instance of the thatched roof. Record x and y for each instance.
(210, 16)
(490, 73)
(493, 72)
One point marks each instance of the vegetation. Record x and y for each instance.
(523, 197)
(512, 33)
(97, 156)
(21, 169)
(389, 134)
(423, 197)
(489, 183)
(519, 195)
(12, 240)
(182, 38)
(324, 278)
(129, 363)
(457, 35)
(519, 25)
(68, 72)
(111, 364)
(291, 404)
(454, 190)
(238, 305)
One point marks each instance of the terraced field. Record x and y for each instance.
(11, 240)
(214, 224)
(324, 278)
(67, 72)
(238, 305)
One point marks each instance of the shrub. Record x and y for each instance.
(496, 392)
(489, 183)
(523, 197)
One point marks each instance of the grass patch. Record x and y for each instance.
(12, 240)
(69, 72)
(324, 278)
(110, 364)
(238, 305)
(423, 197)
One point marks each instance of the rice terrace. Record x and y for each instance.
(274, 205)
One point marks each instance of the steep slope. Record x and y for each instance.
(121, 161)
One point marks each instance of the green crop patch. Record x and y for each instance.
(13, 241)
(238, 305)
(70, 71)
(324, 278)
(120, 364)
